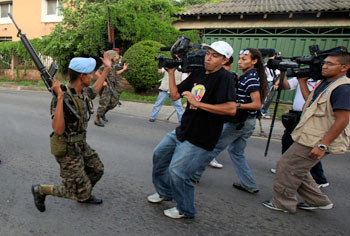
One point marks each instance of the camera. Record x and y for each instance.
(303, 66)
(184, 58)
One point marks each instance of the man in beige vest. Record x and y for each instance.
(323, 128)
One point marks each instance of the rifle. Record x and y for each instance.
(111, 87)
(45, 74)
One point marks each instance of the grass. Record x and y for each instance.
(129, 95)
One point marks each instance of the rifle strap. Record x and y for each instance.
(77, 105)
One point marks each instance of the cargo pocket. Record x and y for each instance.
(58, 144)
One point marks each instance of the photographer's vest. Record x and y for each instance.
(318, 118)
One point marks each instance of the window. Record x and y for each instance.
(54, 7)
(51, 11)
(5, 9)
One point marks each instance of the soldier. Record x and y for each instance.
(108, 100)
(80, 166)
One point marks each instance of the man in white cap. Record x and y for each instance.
(80, 166)
(210, 95)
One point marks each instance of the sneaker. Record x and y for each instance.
(214, 163)
(240, 187)
(175, 214)
(194, 180)
(267, 117)
(273, 170)
(305, 206)
(323, 185)
(152, 120)
(39, 199)
(270, 205)
(155, 198)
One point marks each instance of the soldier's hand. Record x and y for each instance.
(56, 87)
(125, 67)
(106, 60)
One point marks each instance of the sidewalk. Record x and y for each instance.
(166, 114)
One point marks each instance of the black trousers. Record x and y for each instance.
(316, 171)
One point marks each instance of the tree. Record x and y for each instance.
(83, 31)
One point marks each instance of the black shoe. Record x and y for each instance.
(92, 200)
(194, 180)
(99, 123)
(39, 199)
(152, 120)
(104, 118)
(239, 187)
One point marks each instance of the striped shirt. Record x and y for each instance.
(248, 82)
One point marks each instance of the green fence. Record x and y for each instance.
(288, 46)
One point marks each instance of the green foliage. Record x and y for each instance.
(83, 31)
(25, 61)
(140, 57)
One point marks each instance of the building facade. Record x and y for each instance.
(36, 18)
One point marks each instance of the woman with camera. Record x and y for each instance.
(251, 91)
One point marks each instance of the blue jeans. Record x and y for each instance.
(162, 97)
(267, 111)
(236, 141)
(173, 164)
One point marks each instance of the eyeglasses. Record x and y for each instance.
(329, 64)
(245, 52)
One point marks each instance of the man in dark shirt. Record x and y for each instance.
(210, 95)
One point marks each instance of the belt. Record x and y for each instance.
(297, 112)
(251, 117)
(76, 138)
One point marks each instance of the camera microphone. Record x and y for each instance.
(165, 48)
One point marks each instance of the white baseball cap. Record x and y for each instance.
(223, 48)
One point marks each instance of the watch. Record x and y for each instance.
(322, 147)
(238, 105)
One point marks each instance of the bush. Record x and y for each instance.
(143, 74)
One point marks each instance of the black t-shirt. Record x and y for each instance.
(340, 97)
(199, 127)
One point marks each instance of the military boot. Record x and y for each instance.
(92, 200)
(39, 198)
(98, 122)
(104, 118)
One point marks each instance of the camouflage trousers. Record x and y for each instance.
(107, 100)
(80, 169)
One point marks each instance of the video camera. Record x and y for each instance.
(303, 66)
(185, 59)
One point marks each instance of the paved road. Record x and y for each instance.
(125, 146)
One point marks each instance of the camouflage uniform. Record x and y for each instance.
(107, 100)
(80, 167)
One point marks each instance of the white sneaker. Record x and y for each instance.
(323, 185)
(155, 198)
(215, 164)
(173, 213)
(305, 206)
(273, 170)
